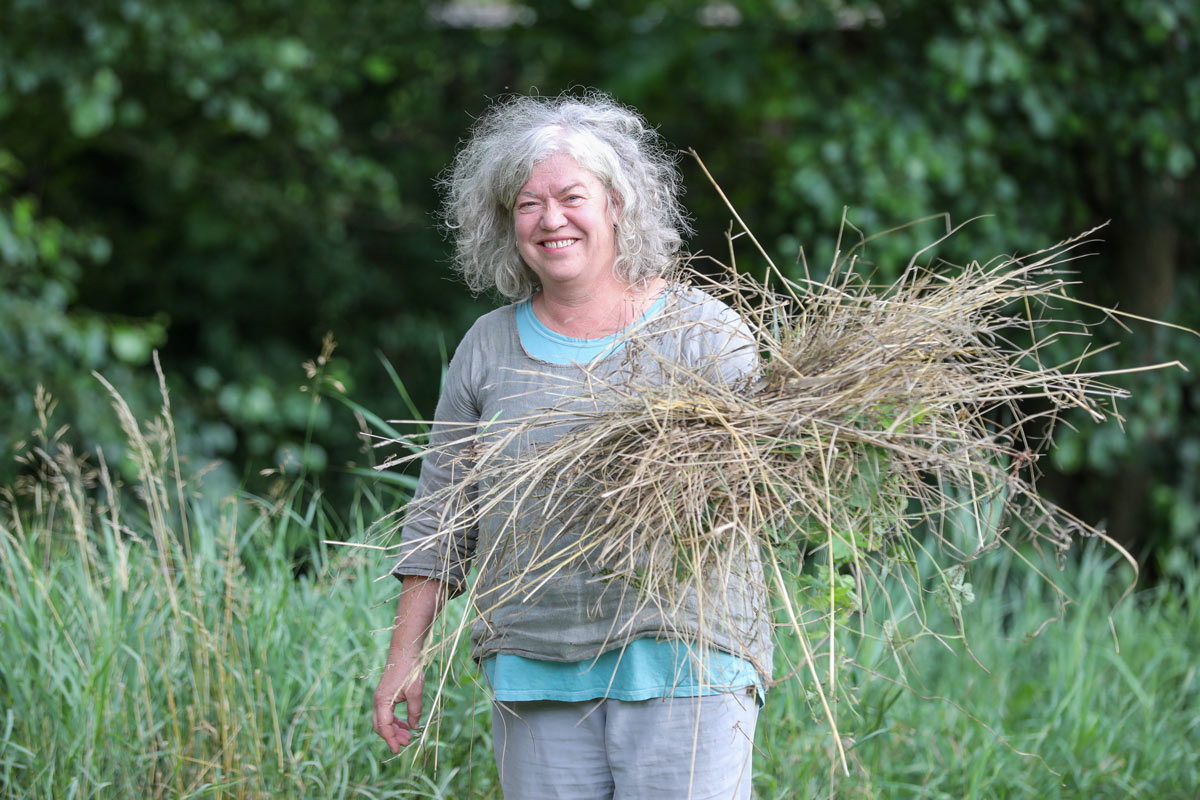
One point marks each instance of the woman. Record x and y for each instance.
(569, 207)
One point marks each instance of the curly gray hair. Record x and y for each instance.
(609, 140)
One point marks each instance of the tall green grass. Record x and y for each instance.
(161, 645)
(158, 644)
(1059, 714)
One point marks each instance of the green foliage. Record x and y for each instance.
(214, 674)
(1063, 713)
(46, 338)
(236, 167)
(228, 182)
(166, 628)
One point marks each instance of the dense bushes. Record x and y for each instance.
(229, 183)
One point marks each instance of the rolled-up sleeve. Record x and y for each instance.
(440, 530)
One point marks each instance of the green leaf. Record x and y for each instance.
(130, 344)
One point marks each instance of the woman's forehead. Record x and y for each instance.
(557, 173)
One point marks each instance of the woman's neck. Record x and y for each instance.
(596, 312)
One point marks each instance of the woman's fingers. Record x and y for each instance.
(394, 730)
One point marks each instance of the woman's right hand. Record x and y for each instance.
(402, 683)
(403, 679)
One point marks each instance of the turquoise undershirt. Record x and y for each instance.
(547, 345)
(644, 668)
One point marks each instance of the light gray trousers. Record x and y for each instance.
(626, 750)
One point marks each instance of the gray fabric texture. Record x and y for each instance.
(492, 383)
(620, 750)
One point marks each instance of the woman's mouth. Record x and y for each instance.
(558, 244)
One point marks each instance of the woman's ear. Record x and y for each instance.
(615, 205)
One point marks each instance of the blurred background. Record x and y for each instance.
(229, 182)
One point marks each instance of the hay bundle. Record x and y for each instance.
(875, 410)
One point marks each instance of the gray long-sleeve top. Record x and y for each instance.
(574, 616)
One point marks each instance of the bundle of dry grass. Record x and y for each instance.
(879, 417)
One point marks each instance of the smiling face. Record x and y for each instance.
(564, 225)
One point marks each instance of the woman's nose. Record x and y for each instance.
(552, 216)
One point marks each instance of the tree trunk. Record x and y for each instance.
(1147, 258)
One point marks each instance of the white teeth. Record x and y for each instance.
(559, 243)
